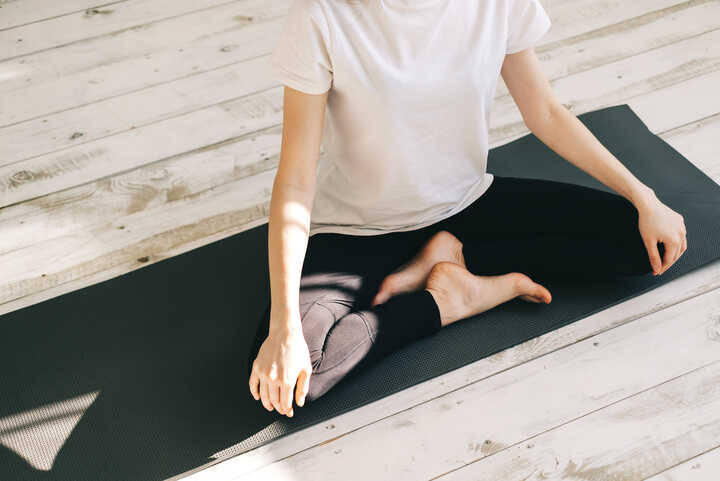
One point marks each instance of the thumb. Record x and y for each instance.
(655, 262)
(302, 386)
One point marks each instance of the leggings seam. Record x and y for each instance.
(367, 327)
(302, 318)
(335, 321)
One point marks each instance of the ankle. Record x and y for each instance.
(442, 305)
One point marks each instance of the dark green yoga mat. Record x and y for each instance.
(154, 360)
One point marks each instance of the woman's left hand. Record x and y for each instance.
(659, 223)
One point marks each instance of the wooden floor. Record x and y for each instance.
(107, 165)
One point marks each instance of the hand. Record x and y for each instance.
(659, 223)
(282, 370)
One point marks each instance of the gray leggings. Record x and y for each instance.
(539, 227)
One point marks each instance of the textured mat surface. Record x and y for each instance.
(142, 377)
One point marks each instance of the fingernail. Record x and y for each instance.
(301, 403)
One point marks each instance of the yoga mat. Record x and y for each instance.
(143, 377)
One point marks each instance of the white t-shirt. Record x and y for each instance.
(405, 138)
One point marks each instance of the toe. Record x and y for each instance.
(532, 299)
(541, 293)
(385, 291)
(527, 288)
(379, 299)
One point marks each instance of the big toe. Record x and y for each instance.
(386, 290)
(379, 298)
(530, 290)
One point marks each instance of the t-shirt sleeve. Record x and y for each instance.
(301, 56)
(528, 22)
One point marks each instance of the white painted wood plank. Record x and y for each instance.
(684, 103)
(15, 13)
(577, 17)
(662, 110)
(148, 232)
(620, 81)
(624, 39)
(493, 413)
(137, 109)
(116, 114)
(213, 27)
(630, 440)
(569, 19)
(94, 22)
(705, 467)
(65, 213)
(703, 137)
(134, 148)
(121, 268)
(132, 62)
(94, 64)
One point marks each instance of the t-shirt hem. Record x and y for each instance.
(285, 77)
(368, 231)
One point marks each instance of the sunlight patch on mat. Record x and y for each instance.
(38, 435)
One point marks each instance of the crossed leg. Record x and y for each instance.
(519, 230)
(549, 229)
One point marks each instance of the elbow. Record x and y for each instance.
(544, 116)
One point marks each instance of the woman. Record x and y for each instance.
(402, 231)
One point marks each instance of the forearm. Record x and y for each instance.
(563, 132)
(288, 231)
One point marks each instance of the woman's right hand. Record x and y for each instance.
(281, 371)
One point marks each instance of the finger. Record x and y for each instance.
(684, 239)
(265, 395)
(653, 255)
(286, 398)
(670, 249)
(254, 385)
(302, 387)
(678, 251)
(275, 397)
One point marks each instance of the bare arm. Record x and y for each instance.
(282, 369)
(563, 132)
(291, 202)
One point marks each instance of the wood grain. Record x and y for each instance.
(107, 165)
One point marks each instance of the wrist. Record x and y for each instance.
(643, 197)
(284, 322)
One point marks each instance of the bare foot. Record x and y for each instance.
(460, 293)
(411, 276)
